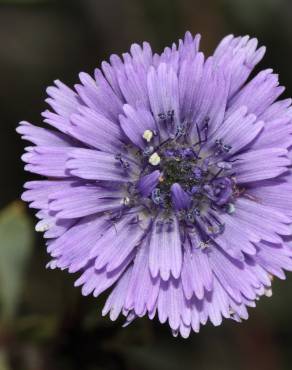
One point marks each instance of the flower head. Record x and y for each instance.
(168, 178)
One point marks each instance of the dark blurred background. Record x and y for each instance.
(45, 324)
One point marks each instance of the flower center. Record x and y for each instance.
(189, 178)
(196, 174)
(196, 181)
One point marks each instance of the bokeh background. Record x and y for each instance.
(45, 324)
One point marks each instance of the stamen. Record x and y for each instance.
(118, 156)
(170, 114)
(198, 132)
(230, 208)
(204, 245)
(221, 148)
(154, 159)
(206, 128)
(167, 117)
(156, 196)
(159, 226)
(148, 135)
(180, 131)
(189, 183)
(148, 150)
(191, 215)
(216, 230)
(125, 201)
(217, 174)
(125, 165)
(169, 224)
(162, 116)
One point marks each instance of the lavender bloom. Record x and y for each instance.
(168, 178)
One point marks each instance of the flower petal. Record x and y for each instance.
(148, 182)
(96, 131)
(47, 161)
(84, 200)
(135, 122)
(95, 165)
(259, 93)
(165, 257)
(238, 56)
(164, 98)
(260, 164)
(180, 199)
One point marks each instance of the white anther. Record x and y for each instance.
(125, 201)
(230, 208)
(42, 226)
(147, 135)
(203, 245)
(154, 159)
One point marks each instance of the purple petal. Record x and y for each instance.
(260, 164)
(147, 183)
(42, 137)
(47, 161)
(98, 95)
(259, 93)
(165, 257)
(238, 56)
(164, 97)
(143, 288)
(116, 299)
(94, 165)
(180, 199)
(80, 201)
(96, 131)
(135, 123)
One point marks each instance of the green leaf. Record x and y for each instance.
(3, 360)
(16, 239)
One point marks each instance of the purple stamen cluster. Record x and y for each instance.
(189, 180)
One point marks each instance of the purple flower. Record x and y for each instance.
(168, 178)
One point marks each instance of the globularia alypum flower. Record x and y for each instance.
(168, 178)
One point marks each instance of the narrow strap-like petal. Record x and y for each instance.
(165, 256)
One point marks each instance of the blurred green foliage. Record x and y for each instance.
(16, 238)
